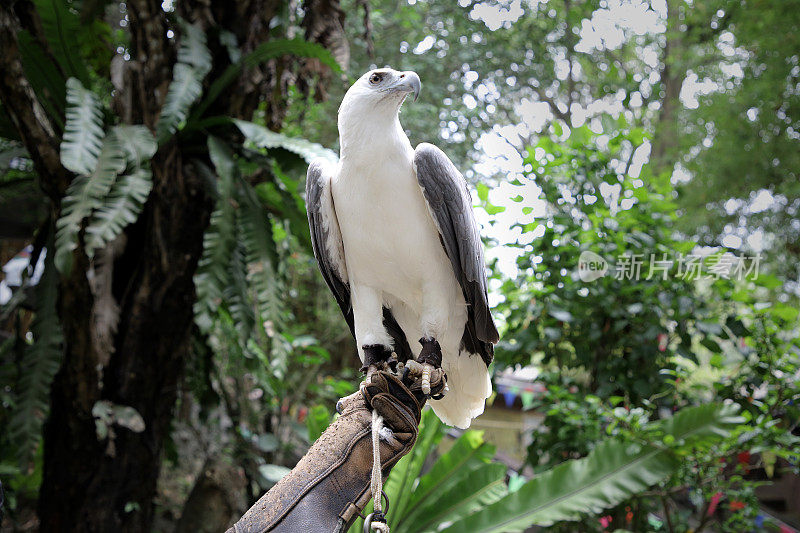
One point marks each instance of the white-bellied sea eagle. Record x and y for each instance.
(396, 240)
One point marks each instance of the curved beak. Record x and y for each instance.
(408, 82)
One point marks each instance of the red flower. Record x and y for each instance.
(662, 342)
(605, 521)
(712, 506)
(737, 505)
(743, 457)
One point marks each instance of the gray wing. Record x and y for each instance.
(450, 204)
(326, 241)
(326, 237)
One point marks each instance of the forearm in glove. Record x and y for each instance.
(329, 487)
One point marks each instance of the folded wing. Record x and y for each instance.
(450, 205)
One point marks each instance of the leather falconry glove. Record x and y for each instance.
(330, 486)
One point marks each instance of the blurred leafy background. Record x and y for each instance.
(169, 350)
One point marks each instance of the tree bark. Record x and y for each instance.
(665, 140)
(108, 485)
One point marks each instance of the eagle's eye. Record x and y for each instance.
(376, 78)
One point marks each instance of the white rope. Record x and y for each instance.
(376, 483)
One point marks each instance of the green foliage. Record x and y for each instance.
(120, 208)
(83, 133)
(622, 328)
(194, 62)
(40, 362)
(613, 471)
(462, 480)
(264, 138)
(112, 193)
(752, 122)
(63, 31)
(264, 52)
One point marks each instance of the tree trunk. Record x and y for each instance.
(665, 141)
(91, 485)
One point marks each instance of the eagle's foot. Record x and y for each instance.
(423, 374)
(428, 361)
(378, 357)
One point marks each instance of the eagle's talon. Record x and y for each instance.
(426, 379)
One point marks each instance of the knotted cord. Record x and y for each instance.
(376, 483)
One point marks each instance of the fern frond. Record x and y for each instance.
(265, 138)
(83, 132)
(193, 50)
(237, 294)
(194, 62)
(62, 29)
(137, 142)
(255, 228)
(265, 51)
(85, 194)
(39, 366)
(120, 208)
(219, 241)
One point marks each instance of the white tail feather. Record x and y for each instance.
(468, 379)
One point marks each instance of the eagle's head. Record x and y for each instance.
(377, 96)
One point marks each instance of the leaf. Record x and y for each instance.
(194, 62)
(219, 242)
(193, 50)
(120, 208)
(137, 142)
(561, 315)
(62, 29)
(84, 195)
(483, 191)
(40, 362)
(255, 228)
(265, 138)
(483, 486)
(399, 486)
(83, 132)
(44, 76)
(265, 51)
(467, 454)
(186, 86)
(317, 421)
(267, 442)
(611, 473)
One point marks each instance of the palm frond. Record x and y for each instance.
(83, 132)
(237, 294)
(193, 50)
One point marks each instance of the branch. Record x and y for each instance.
(368, 29)
(553, 105)
(34, 126)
